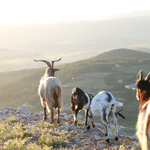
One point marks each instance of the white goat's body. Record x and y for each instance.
(99, 102)
(143, 129)
(104, 105)
(49, 87)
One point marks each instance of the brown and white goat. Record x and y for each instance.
(80, 100)
(142, 87)
(50, 90)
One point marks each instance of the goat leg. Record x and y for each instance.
(44, 118)
(75, 116)
(52, 116)
(86, 115)
(58, 115)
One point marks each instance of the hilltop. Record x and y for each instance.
(25, 130)
(108, 71)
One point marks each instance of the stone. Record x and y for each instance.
(121, 133)
(32, 124)
(22, 110)
(97, 137)
(72, 127)
(102, 145)
(63, 114)
(29, 117)
(76, 139)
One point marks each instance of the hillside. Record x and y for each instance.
(92, 75)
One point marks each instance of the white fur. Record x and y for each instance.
(87, 106)
(101, 107)
(46, 89)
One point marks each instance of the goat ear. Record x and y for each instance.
(140, 75)
(147, 77)
(56, 69)
(133, 86)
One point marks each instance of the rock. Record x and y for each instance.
(70, 117)
(72, 127)
(76, 139)
(65, 126)
(22, 110)
(99, 137)
(99, 125)
(6, 111)
(132, 138)
(29, 117)
(80, 117)
(17, 116)
(32, 124)
(64, 114)
(102, 145)
(121, 133)
(134, 146)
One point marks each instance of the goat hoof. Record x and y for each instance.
(85, 124)
(116, 138)
(44, 119)
(93, 126)
(75, 123)
(106, 134)
(107, 140)
(51, 122)
(88, 127)
(58, 121)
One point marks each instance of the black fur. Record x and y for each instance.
(109, 97)
(80, 102)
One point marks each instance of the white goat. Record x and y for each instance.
(50, 90)
(104, 105)
(142, 87)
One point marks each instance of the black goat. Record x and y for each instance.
(80, 100)
(142, 87)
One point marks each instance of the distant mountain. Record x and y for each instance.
(138, 13)
(125, 53)
(72, 41)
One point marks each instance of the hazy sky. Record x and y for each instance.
(16, 12)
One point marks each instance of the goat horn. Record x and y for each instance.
(140, 75)
(121, 115)
(119, 110)
(147, 77)
(133, 86)
(55, 61)
(45, 61)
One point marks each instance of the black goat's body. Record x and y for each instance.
(80, 100)
(142, 87)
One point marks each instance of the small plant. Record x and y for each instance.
(11, 120)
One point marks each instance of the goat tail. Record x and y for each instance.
(118, 104)
(54, 98)
(58, 93)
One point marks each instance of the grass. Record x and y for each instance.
(14, 135)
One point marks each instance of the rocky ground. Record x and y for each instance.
(81, 137)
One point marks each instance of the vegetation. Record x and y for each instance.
(14, 135)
